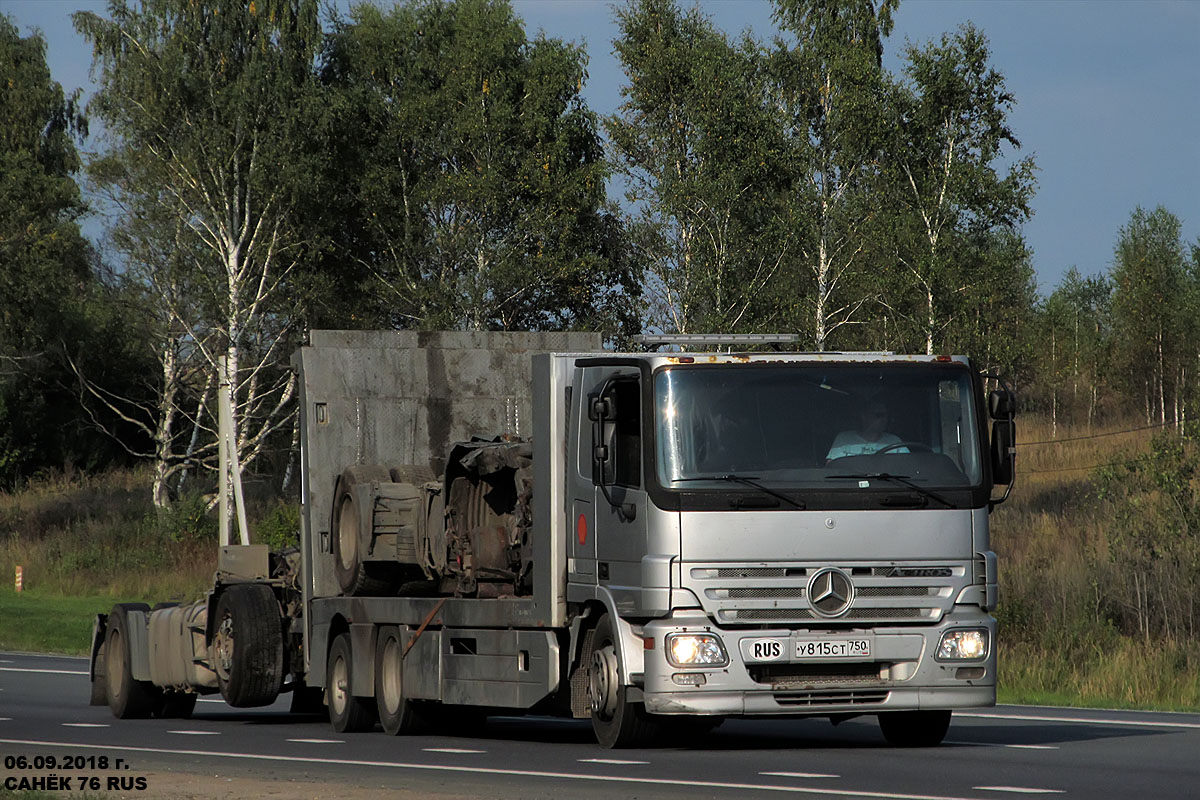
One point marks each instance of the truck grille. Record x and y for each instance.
(800, 676)
(882, 594)
(845, 697)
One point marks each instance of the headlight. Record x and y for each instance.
(695, 650)
(963, 645)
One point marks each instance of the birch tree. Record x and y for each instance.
(828, 90)
(949, 128)
(704, 164)
(204, 104)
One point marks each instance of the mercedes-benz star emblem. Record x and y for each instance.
(830, 592)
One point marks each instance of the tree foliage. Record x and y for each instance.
(476, 193)
(48, 299)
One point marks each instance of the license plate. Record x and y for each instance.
(833, 648)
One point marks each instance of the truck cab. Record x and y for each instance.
(776, 534)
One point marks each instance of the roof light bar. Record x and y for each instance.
(652, 340)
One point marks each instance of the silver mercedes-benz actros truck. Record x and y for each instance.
(523, 523)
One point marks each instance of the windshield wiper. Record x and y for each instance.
(903, 480)
(748, 480)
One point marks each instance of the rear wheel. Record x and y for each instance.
(127, 698)
(347, 713)
(397, 712)
(616, 721)
(355, 576)
(247, 646)
(99, 670)
(914, 728)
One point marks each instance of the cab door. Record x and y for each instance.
(619, 497)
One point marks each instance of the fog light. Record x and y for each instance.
(695, 649)
(963, 645)
(689, 678)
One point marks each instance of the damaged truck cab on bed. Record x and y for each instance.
(520, 523)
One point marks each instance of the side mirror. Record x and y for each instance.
(1001, 404)
(1004, 451)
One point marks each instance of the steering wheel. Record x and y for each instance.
(920, 447)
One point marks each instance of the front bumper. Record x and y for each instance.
(901, 673)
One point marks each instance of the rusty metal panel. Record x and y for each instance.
(401, 397)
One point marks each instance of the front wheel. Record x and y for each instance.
(616, 721)
(914, 728)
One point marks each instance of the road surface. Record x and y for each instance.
(48, 729)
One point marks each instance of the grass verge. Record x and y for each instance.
(35, 622)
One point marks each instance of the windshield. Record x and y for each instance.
(807, 425)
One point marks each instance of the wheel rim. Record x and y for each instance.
(602, 682)
(348, 533)
(338, 686)
(393, 693)
(223, 648)
(113, 663)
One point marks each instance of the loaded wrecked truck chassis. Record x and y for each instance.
(523, 523)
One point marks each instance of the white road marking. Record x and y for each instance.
(318, 741)
(47, 671)
(1032, 746)
(489, 771)
(5, 719)
(450, 750)
(1017, 790)
(210, 700)
(84, 725)
(1083, 720)
(196, 733)
(799, 775)
(608, 761)
(6, 661)
(997, 744)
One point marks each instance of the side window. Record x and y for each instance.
(627, 437)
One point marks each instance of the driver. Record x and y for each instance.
(870, 437)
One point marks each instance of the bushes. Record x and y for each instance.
(1100, 571)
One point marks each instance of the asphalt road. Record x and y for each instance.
(994, 753)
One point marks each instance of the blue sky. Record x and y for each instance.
(1108, 96)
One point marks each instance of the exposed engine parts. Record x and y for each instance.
(397, 531)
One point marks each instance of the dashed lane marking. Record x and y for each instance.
(609, 761)
(1032, 746)
(318, 741)
(799, 775)
(1017, 790)
(46, 671)
(450, 750)
(196, 733)
(722, 785)
(5, 719)
(84, 725)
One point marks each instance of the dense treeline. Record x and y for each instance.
(430, 165)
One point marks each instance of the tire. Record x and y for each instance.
(616, 721)
(397, 712)
(356, 577)
(347, 713)
(247, 646)
(914, 728)
(127, 698)
(175, 705)
(99, 685)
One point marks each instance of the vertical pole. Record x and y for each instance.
(231, 470)
(20, 581)
(224, 423)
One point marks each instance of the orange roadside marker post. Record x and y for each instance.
(20, 576)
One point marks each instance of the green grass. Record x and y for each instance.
(39, 623)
